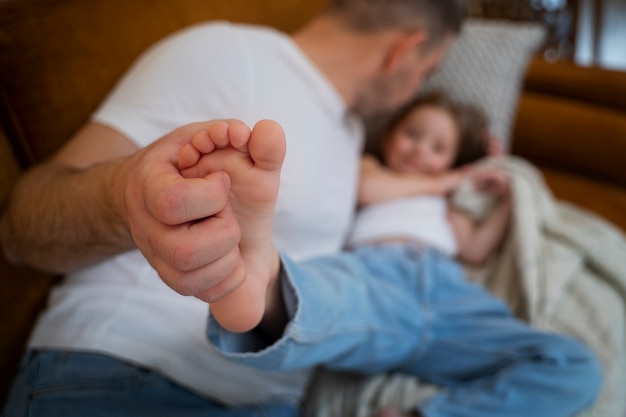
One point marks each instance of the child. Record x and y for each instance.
(379, 308)
(424, 155)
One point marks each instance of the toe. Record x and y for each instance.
(267, 145)
(239, 135)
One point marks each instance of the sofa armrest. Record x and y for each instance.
(606, 200)
(24, 290)
(573, 119)
(9, 169)
(590, 85)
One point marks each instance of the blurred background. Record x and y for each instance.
(589, 32)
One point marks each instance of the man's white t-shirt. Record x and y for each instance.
(211, 71)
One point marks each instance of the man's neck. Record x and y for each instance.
(347, 58)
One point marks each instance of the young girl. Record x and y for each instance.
(421, 159)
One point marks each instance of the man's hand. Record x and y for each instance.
(184, 227)
(99, 196)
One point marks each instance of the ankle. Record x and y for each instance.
(276, 315)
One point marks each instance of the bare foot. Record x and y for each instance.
(253, 160)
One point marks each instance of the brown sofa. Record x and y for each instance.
(58, 58)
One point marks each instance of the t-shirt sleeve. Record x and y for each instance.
(195, 75)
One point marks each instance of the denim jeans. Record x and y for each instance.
(78, 384)
(397, 307)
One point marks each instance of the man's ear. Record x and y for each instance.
(405, 44)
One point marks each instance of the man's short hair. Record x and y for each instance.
(437, 18)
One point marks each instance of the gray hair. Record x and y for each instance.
(438, 18)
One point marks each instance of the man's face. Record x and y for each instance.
(391, 90)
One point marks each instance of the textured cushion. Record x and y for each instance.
(486, 66)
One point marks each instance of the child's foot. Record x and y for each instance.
(253, 160)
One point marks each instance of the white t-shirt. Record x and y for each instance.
(217, 70)
(420, 219)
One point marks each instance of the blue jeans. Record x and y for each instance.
(396, 307)
(78, 384)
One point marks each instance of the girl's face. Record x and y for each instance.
(425, 141)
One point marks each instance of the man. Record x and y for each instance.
(112, 211)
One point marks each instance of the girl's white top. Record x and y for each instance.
(418, 219)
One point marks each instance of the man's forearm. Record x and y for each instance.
(61, 219)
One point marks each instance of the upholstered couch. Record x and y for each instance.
(58, 58)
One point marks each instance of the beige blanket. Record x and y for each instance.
(561, 268)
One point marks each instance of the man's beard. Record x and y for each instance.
(377, 101)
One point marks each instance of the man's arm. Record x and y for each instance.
(64, 213)
(99, 196)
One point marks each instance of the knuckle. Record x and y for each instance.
(187, 284)
(228, 283)
(232, 229)
(219, 183)
(176, 282)
(168, 206)
(211, 280)
(183, 256)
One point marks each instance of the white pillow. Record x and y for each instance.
(486, 66)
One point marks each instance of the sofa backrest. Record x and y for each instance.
(59, 58)
(573, 119)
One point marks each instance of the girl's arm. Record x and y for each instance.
(477, 241)
(377, 183)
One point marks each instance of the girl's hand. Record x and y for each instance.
(493, 181)
(495, 146)
(448, 182)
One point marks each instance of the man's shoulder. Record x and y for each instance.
(199, 44)
(226, 31)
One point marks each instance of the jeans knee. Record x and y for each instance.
(592, 370)
(582, 368)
